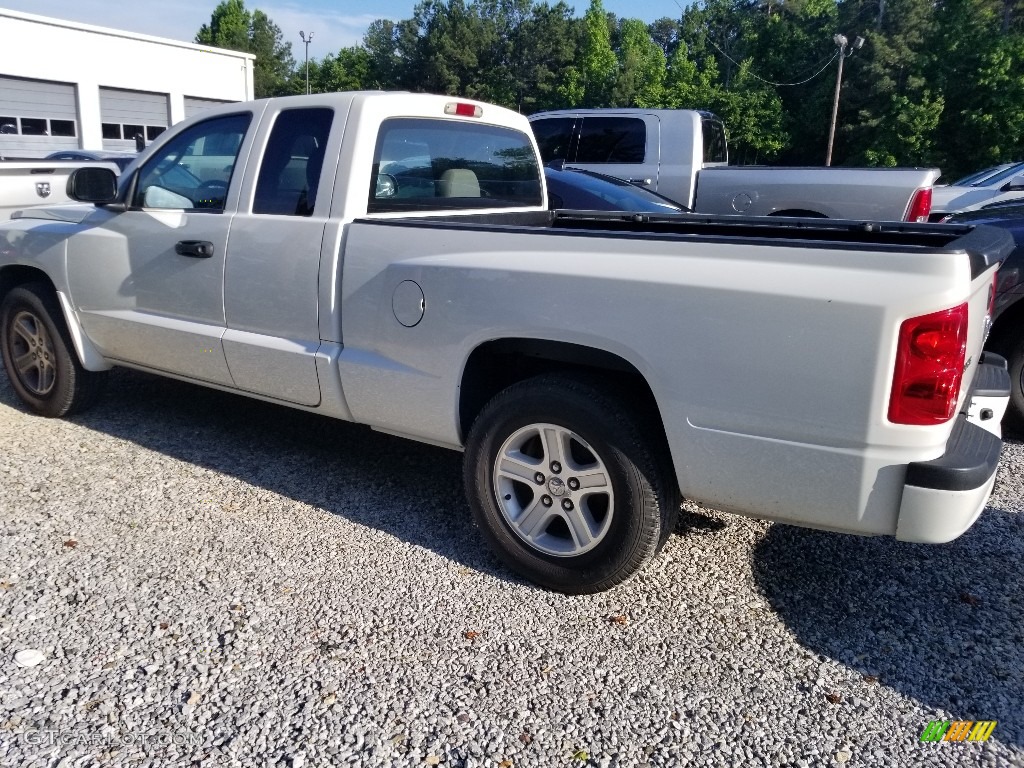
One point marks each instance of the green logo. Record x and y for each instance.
(958, 730)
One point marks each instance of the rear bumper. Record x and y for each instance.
(942, 498)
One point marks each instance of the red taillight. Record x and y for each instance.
(929, 367)
(920, 205)
(462, 109)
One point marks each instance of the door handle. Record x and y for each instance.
(645, 182)
(198, 249)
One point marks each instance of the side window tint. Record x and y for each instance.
(715, 147)
(292, 162)
(193, 170)
(612, 140)
(554, 136)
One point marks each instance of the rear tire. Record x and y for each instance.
(565, 487)
(39, 356)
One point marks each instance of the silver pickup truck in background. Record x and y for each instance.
(683, 154)
(388, 259)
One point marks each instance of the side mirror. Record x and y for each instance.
(1016, 184)
(93, 185)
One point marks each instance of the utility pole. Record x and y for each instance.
(841, 43)
(308, 40)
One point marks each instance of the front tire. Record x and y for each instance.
(565, 486)
(39, 356)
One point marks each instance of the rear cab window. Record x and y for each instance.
(715, 147)
(425, 164)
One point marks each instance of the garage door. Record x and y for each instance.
(128, 114)
(194, 105)
(36, 117)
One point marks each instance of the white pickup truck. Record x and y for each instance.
(25, 183)
(388, 259)
(683, 154)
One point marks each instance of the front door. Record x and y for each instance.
(149, 281)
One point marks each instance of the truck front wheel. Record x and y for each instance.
(39, 356)
(565, 487)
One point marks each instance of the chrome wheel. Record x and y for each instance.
(553, 490)
(32, 354)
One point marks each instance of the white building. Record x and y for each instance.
(65, 85)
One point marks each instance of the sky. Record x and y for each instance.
(335, 24)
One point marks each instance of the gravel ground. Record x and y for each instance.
(213, 581)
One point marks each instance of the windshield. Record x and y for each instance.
(585, 190)
(1010, 171)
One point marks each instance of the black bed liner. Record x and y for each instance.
(985, 246)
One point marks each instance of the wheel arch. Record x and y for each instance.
(1008, 326)
(497, 364)
(14, 275)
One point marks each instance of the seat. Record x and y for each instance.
(314, 165)
(459, 182)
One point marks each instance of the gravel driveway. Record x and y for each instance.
(213, 581)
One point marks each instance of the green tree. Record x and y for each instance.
(532, 45)
(596, 72)
(641, 76)
(752, 111)
(687, 85)
(233, 27)
(348, 70)
(385, 64)
(978, 65)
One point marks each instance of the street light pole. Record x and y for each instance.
(841, 43)
(307, 41)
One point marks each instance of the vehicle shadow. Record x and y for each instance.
(907, 614)
(407, 489)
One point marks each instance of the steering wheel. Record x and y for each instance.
(211, 194)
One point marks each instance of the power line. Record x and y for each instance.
(763, 80)
(754, 74)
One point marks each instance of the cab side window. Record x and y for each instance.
(290, 171)
(554, 137)
(193, 170)
(715, 147)
(612, 140)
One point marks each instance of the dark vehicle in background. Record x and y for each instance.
(1007, 337)
(576, 189)
(120, 159)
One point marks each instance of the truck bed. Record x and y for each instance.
(983, 245)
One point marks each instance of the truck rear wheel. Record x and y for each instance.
(564, 486)
(39, 356)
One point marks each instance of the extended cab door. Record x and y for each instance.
(624, 146)
(272, 273)
(149, 281)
